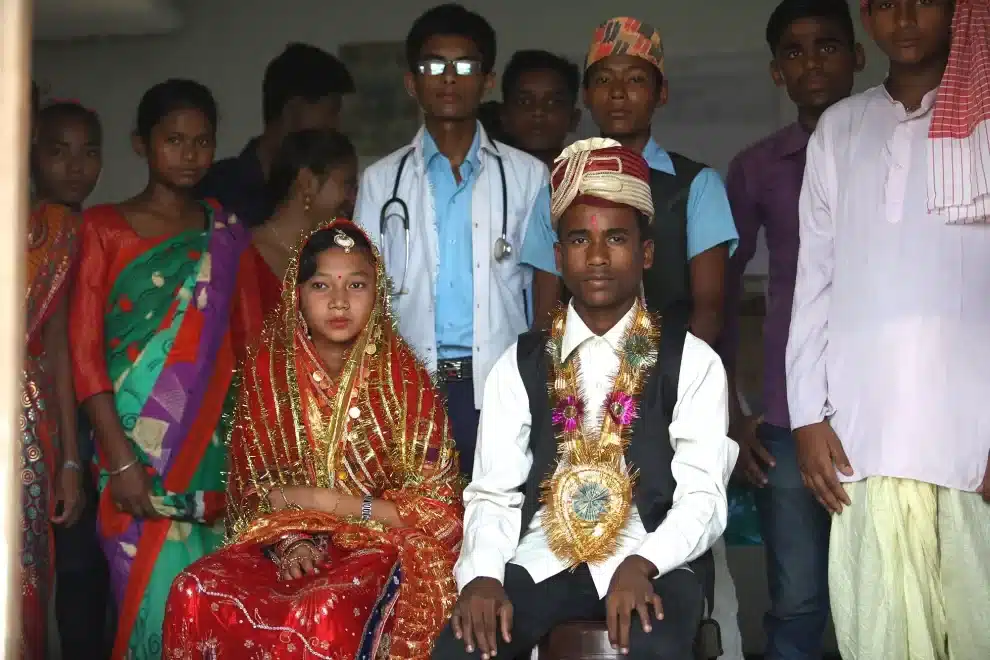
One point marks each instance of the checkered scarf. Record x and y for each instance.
(959, 137)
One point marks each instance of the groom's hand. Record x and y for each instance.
(482, 609)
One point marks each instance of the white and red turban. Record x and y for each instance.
(600, 172)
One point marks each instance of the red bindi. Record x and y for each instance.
(594, 222)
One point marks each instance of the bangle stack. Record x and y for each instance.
(282, 555)
(288, 543)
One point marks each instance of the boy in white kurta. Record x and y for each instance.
(889, 349)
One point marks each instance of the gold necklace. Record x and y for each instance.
(291, 247)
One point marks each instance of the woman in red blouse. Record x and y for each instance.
(314, 179)
(150, 314)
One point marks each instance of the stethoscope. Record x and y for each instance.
(501, 250)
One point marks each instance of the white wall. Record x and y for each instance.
(227, 43)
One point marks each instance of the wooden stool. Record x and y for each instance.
(578, 640)
(588, 640)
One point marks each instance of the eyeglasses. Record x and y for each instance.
(438, 67)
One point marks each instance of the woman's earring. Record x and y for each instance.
(307, 203)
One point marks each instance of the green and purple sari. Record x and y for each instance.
(169, 357)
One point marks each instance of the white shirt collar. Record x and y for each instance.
(576, 331)
(927, 102)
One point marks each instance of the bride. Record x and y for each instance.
(344, 496)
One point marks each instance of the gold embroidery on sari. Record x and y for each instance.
(376, 429)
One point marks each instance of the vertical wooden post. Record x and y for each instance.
(15, 83)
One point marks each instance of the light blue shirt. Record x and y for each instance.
(537, 247)
(455, 283)
(412, 259)
(709, 218)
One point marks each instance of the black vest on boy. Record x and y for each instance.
(649, 449)
(668, 283)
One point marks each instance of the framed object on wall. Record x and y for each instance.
(381, 116)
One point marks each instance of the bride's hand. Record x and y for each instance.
(301, 560)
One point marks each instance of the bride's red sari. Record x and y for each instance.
(379, 429)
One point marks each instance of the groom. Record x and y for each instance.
(558, 525)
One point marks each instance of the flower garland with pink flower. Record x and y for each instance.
(569, 414)
(578, 529)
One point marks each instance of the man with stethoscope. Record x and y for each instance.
(463, 222)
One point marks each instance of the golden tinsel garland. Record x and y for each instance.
(588, 498)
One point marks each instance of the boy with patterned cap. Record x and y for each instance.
(602, 458)
(887, 357)
(624, 84)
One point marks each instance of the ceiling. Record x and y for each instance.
(76, 19)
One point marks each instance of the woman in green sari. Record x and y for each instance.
(151, 310)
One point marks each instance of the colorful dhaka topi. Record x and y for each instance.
(626, 36)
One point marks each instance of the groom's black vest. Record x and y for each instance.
(649, 449)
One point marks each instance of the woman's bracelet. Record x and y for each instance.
(289, 504)
(123, 468)
(290, 539)
(286, 558)
(293, 546)
(71, 465)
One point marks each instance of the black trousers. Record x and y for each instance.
(464, 420)
(568, 596)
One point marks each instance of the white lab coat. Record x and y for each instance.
(501, 290)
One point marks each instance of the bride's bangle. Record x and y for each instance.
(288, 559)
(284, 544)
(288, 551)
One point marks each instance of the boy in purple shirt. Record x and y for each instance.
(815, 57)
